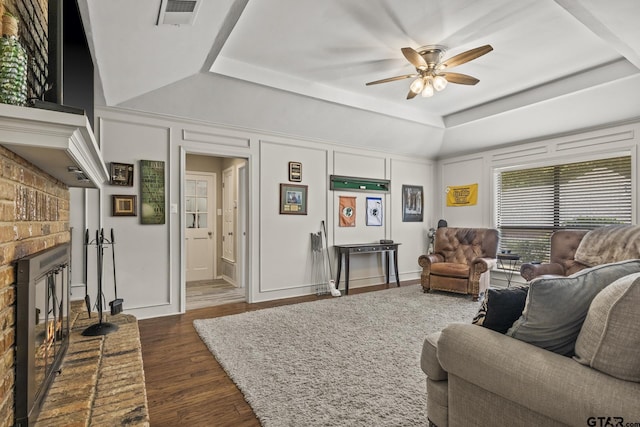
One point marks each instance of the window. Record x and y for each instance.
(533, 203)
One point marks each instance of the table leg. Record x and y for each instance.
(386, 262)
(395, 264)
(339, 270)
(346, 273)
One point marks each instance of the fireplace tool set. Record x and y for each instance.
(100, 242)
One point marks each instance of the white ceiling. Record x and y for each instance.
(568, 63)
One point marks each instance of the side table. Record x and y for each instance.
(508, 262)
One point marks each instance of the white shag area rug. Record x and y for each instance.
(348, 361)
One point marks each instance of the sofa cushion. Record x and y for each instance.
(609, 340)
(450, 269)
(501, 307)
(556, 307)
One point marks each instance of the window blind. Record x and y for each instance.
(533, 203)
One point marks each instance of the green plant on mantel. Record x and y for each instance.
(13, 64)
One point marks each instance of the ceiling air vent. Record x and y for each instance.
(178, 12)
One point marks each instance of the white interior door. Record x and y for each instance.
(200, 226)
(228, 214)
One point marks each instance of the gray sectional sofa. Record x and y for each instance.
(479, 377)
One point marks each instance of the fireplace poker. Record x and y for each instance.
(87, 299)
(116, 304)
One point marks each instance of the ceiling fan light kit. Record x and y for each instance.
(430, 73)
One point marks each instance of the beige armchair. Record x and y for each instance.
(461, 262)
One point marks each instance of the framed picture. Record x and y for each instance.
(412, 203)
(293, 199)
(152, 189)
(374, 211)
(123, 205)
(121, 174)
(347, 212)
(295, 171)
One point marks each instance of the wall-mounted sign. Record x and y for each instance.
(462, 195)
(295, 171)
(349, 183)
(374, 211)
(347, 211)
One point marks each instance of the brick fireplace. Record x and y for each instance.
(34, 215)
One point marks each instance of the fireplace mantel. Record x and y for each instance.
(54, 141)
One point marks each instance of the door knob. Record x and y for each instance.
(210, 233)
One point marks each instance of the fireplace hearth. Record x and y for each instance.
(42, 326)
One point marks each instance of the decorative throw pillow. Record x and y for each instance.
(609, 340)
(556, 307)
(501, 307)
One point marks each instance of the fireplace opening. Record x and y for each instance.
(42, 326)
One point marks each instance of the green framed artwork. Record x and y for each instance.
(152, 199)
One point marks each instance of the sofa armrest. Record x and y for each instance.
(426, 260)
(429, 358)
(531, 271)
(543, 381)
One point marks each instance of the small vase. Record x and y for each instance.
(13, 64)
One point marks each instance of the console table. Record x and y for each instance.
(366, 248)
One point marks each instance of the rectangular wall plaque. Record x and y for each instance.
(295, 171)
(152, 192)
(349, 183)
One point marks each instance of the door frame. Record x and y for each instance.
(213, 219)
(208, 152)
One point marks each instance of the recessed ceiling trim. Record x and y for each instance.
(178, 12)
(251, 73)
(595, 76)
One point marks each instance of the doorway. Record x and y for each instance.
(200, 222)
(213, 200)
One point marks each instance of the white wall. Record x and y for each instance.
(479, 168)
(149, 256)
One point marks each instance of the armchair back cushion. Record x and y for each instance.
(463, 245)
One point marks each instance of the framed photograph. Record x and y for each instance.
(123, 205)
(121, 174)
(293, 199)
(295, 171)
(374, 211)
(412, 203)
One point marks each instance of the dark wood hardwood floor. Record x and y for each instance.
(185, 383)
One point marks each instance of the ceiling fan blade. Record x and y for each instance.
(458, 78)
(414, 57)
(411, 94)
(391, 79)
(467, 56)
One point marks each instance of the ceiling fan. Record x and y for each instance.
(431, 70)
